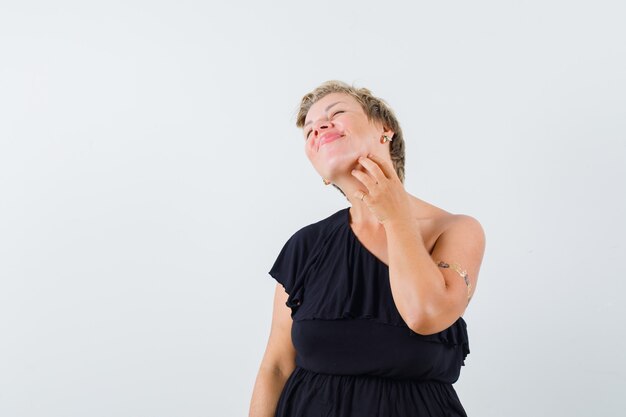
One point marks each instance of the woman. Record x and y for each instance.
(369, 301)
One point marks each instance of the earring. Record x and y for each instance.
(385, 138)
(325, 181)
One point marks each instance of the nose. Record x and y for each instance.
(319, 127)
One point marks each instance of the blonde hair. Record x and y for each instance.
(375, 109)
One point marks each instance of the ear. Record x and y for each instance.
(388, 132)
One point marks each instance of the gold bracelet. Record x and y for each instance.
(461, 272)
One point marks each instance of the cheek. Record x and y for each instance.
(308, 145)
(308, 151)
(355, 127)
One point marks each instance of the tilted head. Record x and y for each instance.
(341, 123)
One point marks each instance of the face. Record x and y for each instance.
(336, 132)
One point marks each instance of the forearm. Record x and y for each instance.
(267, 389)
(417, 286)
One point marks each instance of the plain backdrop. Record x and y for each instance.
(151, 170)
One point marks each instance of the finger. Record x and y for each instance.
(359, 195)
(372, 168)
(364, 178)
(383, 165)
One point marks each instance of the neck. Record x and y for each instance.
(360, 215)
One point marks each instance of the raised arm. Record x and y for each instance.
(430, 296)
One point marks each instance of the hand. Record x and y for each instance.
(385, 195)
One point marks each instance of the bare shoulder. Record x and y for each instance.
(435, 221)
(463, 229)
(464, 223)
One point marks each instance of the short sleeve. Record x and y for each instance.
(288, 269)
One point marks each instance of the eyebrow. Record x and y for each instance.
(326, 109)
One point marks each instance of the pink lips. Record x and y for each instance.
(329, 138)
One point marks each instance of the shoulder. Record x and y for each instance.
(463, 230)
(462, 242)
(466, 225)
(442, 218)
(441, 224)
(311, 233)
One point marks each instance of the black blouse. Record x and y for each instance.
(355, 354)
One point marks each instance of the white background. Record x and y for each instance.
(151, 170)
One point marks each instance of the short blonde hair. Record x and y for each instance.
(375, 109)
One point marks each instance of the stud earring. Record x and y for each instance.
(326, 182)
(385, 138)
